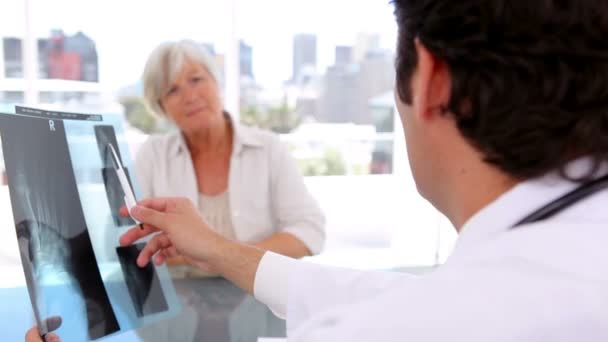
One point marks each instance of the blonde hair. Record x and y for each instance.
(165, 63)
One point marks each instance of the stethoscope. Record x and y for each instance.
(567, 200)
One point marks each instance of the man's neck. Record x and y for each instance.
(471, 186)
(477, 197)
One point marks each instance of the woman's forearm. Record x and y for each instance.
(285, 244)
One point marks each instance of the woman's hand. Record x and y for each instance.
(181, 231)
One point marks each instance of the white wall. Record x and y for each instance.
(379, 222)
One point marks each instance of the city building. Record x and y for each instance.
(344, 55)
(364, 43)
(348, 87)
(304, 53)
(66, 70)
(341, 100)
(246, 60)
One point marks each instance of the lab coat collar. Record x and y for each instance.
(523, 199)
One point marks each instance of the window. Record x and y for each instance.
(318, 73)
(12, 49)
(74, 54)
(12, 26)
(11, 96)
(321, 74)
(324, 81)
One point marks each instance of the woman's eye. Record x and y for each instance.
(172, 91)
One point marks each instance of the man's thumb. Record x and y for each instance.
(150, 217)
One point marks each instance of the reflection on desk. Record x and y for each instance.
(213, 310)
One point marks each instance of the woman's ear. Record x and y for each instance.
(431, 83)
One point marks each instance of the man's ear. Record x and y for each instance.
(431, 84)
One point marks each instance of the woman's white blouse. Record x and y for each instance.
(267, 192)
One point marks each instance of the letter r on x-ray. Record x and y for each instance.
(52, 125)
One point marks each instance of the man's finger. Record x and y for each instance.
(33, 335)
(53, 323)
(160, 258)
(155, 203)
(151, 217)
(123, 211)
(156, 244)
(171, 252)
(135, 234)
(52, 338)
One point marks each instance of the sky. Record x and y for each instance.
(126, 31)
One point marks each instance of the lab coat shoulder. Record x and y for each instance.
(507, 289)
(314, 289)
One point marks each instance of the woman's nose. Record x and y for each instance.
(189, 94)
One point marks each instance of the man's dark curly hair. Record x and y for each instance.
(529, 77)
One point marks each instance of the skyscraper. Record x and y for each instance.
(12, 54)
(68, 57)
(59, 56)
(304, 53)
(364, 44)
(344, 55)
(348, 87)
(341, 99)
(246, 59)
(84, 47)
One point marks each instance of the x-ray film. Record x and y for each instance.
(65, 196)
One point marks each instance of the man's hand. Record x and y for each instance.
(53, 323)
(180, 230)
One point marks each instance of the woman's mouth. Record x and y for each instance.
(194, 111)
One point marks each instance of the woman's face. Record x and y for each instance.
(193, 100)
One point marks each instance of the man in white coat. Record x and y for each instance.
(504, 104)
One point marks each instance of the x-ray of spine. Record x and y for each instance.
(54, 243)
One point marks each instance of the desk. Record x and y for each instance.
(213, 310)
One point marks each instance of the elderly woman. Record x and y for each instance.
(243, 180)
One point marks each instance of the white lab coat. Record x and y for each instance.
(542, 282)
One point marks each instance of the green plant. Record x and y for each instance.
(279, 119)
(331, 164)
(139, 116)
